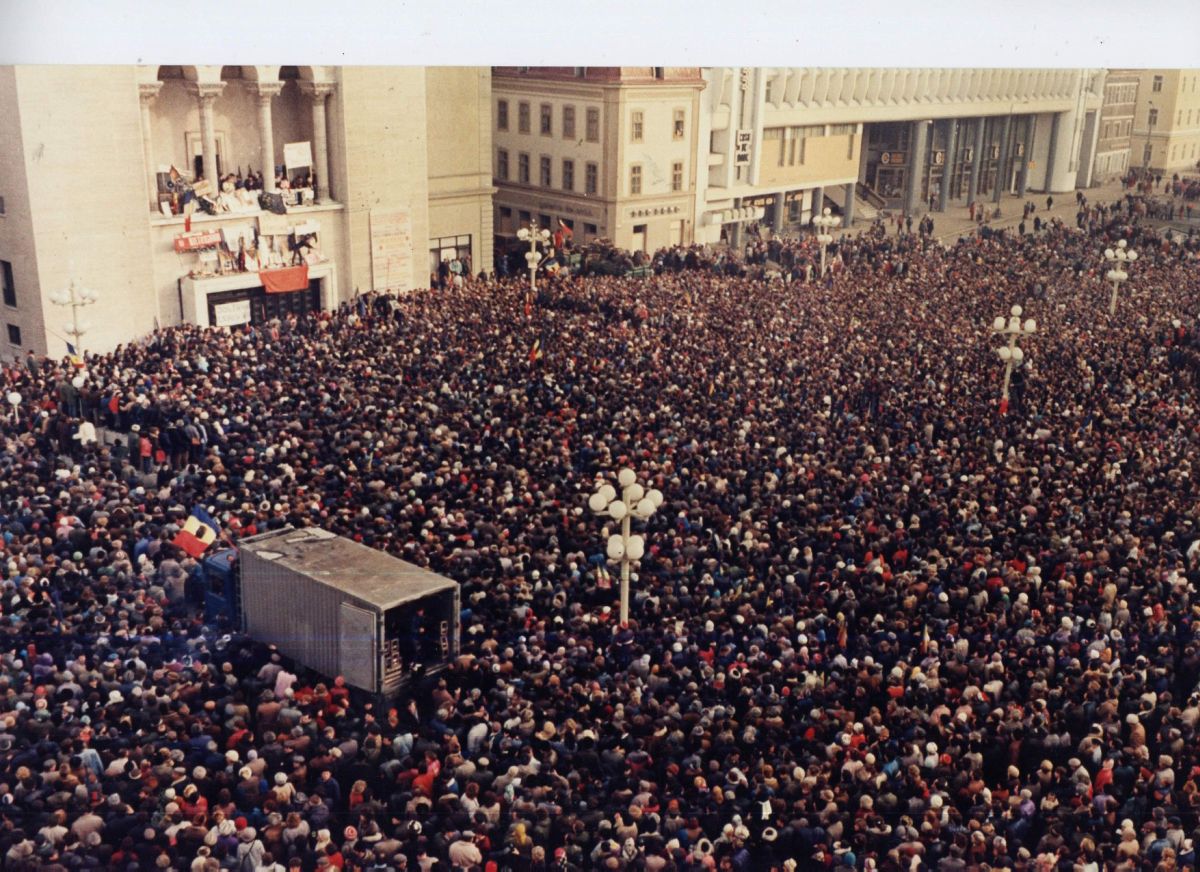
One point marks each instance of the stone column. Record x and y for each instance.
(1054, 122)
(948, 166)
(266, 134)
(1023, 177)
(976, 161)
(1005, 165)
(818, 202)
(318, 91)
(848, 206)
(147, 91)
(207, 93)
(780, 206)
(917, 161)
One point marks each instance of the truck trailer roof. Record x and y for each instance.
(371, 575)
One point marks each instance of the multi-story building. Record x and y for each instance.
(609, 151)
(1114, 143)
(1166, 128)
(780, 143)
(93, 161)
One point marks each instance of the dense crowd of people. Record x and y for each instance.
(879, 625)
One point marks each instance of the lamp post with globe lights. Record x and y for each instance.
(633, 502)
(534, 237)
(826, 223)
(1011, 354)
(1118, 257)
(75, 297)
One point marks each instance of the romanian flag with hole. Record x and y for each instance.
(198, 533)
(535, 353)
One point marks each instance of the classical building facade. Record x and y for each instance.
(97, 165)
(609, 151)
(780, 143)
(1114, 143)
(1166, 128)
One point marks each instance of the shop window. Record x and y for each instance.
(502, 115)
(14, 334)
(450, 248)
(10, 287)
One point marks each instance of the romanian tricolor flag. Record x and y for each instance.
(76, 360)
(198, 533)
(535, 353)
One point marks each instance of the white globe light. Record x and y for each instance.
(1017, 354)
(1176, 323)
(626, 477)
(1005, 353)
(616, 547)
(998, 324)
(1132, 255)
(530, 257)
(637, 548)
(79, 381)
(14, 399)
(1113, 275)
(1014, 323)
(617, 510)
(597, 502)
(1122, 243)
(634, 492)
(608, 492)
(655, 496)
(1030, 325)
(1121, 254)
(1109, 253)
(523, 235)
(827, 212)
(645, 508)
(545, 234)
(1016, 310)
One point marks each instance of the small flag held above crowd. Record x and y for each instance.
(535, 353)
(199, 532)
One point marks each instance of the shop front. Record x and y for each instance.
(257, 298)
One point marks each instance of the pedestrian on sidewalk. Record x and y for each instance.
(1049, 203)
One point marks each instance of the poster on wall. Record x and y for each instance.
(391, 250)
(741, 151)
(297, 154)
(231, 314)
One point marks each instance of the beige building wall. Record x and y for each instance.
(17, 244)
(87, 206)
(1174, 138)
(458, 107)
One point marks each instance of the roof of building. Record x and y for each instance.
(371, 575)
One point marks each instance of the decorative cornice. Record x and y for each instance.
(208, 90)
(317, 90)
(267, 90)
(147, 91)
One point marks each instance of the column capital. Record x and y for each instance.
(208, 91)
(147, 91)
(317, 90)
(267, 90)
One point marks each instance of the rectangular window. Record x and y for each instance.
(591, 178)
(523, 217)
(547, 123)
(593, 125)
(635, 179)
(1, 205)
(502, 115)
(568, 122)
(544, 221)
(544, 171)
(522, 117)
(10, 288)
(591, 229)
(502, 164)
(679, 124)
(1158, 82)
(14, 334)
(677, 176)
(523, 168)
(637, 126)
(767, 91)
(568, 174)
(1153, 117)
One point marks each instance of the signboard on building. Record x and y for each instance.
(391, 250)
(198, 240)
(939, 158)
(741, 148)
(231, 314)
(892, 157)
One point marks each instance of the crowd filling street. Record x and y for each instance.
(879, 625)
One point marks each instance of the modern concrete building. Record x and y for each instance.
(610, 151)
(86, 184)
(779, 143)
(1114, 143)
(1166, 128)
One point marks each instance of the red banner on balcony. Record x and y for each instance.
(280, 281)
